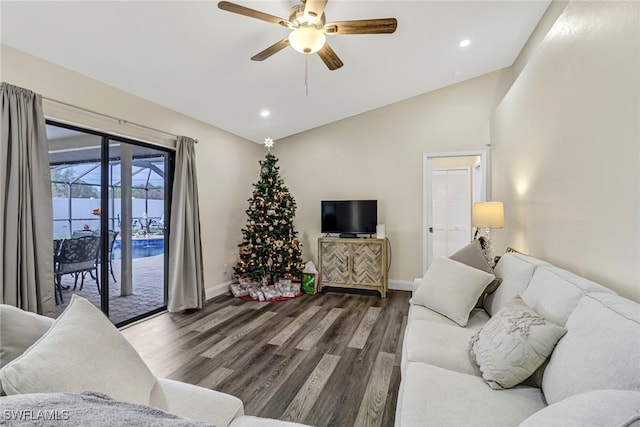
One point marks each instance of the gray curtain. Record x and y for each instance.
(26, 226)
(186, 277)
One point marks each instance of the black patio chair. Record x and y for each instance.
(56, 253)
(81, 233)
(78, 257)
(112, 240)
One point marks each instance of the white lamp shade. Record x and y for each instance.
(488, 215)
(307, 39)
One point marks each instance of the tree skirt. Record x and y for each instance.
(276, 299)
(281, 291)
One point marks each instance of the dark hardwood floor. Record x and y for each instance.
(330, 359)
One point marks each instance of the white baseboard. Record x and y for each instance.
(215, 290)
(401, 285)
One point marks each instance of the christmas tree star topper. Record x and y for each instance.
(268, 142)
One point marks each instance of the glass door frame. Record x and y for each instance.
(105, 140)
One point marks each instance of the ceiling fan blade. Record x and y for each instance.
(315, 7)
(252, 13)
(274, 48)
(329, 57)
(363, 26)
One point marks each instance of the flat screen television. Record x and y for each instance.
(349, 217)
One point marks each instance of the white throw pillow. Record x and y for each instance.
(451, 288)
(82, 351)
(513, 344)
(19, 329)
(473, 256)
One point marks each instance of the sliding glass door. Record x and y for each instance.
(111, 206)
(138, 205)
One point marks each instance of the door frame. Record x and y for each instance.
(427, 202)
(476, 170)
(105, 139)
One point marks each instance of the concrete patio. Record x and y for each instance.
(148, 290)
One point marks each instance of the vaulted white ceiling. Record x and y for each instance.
(193, 58)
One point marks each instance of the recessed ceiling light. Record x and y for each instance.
(465, 43)
(456, 73)
(265, 113)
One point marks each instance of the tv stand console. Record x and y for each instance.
(353, 263)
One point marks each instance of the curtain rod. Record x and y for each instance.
(119, 120)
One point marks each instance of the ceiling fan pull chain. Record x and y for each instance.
(306, 73)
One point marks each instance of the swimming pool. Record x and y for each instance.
(141, 248)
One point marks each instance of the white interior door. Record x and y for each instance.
(451, 210)
(448, 236)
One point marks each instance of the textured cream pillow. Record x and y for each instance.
(451, 288)
(513, 344)
(82, 351)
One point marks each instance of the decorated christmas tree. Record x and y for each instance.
(270, 249)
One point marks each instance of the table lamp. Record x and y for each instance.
(488, 215)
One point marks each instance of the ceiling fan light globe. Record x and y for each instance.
(307, 39)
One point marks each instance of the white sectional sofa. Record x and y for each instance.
(592, 376)
(81, 351)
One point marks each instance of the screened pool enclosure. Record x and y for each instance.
(76, 195)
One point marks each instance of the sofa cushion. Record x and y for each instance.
(433, 396)
(477, 317)
(249, 421)
(197, 403)
(473, 256)
(439, 344)
(516, 271)
(596, 408)
(513, 344)
(554, 293)
(451, 288)
(19, 329)
(601, 349)
(82, 351)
